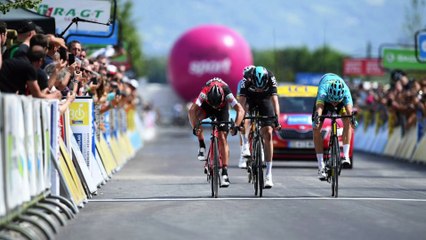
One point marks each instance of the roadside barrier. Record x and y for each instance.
(384, 138)
(52, 163)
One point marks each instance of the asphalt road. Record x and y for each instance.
(163, 194)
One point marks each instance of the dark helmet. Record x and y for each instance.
(260, 77)
(248, 71)
(215, 96)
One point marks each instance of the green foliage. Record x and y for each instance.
(28, 4)
(130, 36)
(285, 63)
(157, 69)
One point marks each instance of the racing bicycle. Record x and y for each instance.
(333, 164)
(256, 162)
(214, 161)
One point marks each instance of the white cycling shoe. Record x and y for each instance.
(346, 161)
(242, 163)
(321, 174)
(201, 154)
(224, 181)
(268, 182)
(245, 151)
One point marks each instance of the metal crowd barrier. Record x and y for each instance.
(51, 164)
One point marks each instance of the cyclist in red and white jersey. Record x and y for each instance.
(214, 100)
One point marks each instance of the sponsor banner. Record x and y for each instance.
(362, 67)
(15, 168)
(65, 11)
(421, 45)
(401, 58)
(45, 116)
(38, 145)
(80, 113)
(54, 140)
(27, 106)
(308, 78)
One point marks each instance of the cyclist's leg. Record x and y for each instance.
(347, 134)
(201, 114)
(319, 143)
(223, 115)
(266, 109)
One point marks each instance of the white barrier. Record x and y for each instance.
(35, 161)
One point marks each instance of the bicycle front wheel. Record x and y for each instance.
(335, 155)
(259, 183)
(215, 169)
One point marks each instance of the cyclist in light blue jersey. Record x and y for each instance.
(333, 94)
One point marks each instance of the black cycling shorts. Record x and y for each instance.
(219, 114)
(329, 108)
(265, 108)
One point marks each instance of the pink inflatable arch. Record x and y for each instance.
(205, 52)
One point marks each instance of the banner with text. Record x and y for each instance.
(64, 12)
(362, 67)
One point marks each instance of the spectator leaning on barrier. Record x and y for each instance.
(19, 75)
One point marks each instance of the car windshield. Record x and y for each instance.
(296, 104)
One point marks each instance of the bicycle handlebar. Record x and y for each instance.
(337, 116)
(260, 117)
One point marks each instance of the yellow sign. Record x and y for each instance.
(79, 113)
(297, 91)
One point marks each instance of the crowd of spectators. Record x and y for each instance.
(402, 102)
(45, 66)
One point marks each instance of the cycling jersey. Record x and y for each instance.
(325, 82)
(260, 99)
(248, 89)
(229, 97)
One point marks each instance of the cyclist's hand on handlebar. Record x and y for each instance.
(234, 130)
(354, 122)
(196, 131)
(277, 123)
(315, 121)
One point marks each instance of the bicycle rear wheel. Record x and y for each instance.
(215, 169)
(335, 154)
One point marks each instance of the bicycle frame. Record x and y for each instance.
(332, 156)
(255, 165)
(214, 159)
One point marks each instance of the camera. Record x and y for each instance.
(94, 80)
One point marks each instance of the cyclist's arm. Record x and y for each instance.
(243, 101)
(276, 105)
(240, 114)
(348, 109)
(192, 114)
(319, 108)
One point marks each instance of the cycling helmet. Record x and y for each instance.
(335, 90)
(215, 96)
(260, 77)
(247, 71)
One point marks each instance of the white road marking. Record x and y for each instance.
(253, 199)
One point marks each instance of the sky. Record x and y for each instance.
(347, 26)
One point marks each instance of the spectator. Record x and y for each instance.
(3, 38)
(18, 75)
(26, 30)
(74, 47)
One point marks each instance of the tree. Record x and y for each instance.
(413, 19)
(130, 37)
(29, 4)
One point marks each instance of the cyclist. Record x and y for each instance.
(259, 90)
(244, 144)
(214, 100)
(333, 94)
